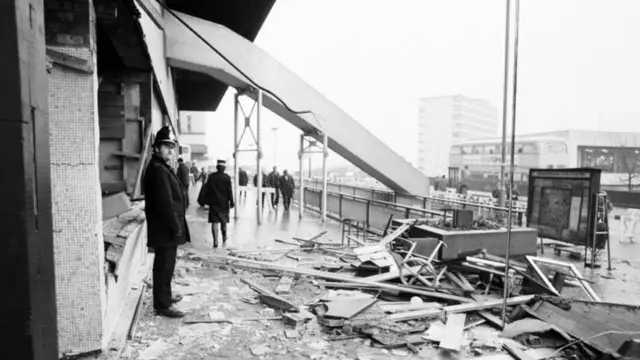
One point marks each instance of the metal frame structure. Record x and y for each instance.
(310, 148)
(257, 108)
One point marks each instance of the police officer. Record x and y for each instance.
(218, 194)
(166, 223)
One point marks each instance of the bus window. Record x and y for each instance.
(478, 150)
(467, 149)
(556, 148)
(490, 149)
(456, 150)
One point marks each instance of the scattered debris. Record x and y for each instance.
(379, 299)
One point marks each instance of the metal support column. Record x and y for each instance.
(307, 144)
(301, 175)
(257, 107)
(259, 155)
(236, 146)
(28, 301)
(325, 154)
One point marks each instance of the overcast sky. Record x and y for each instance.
(579, 64)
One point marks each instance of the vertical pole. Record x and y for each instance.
(235, 155)
(300, 175)
(511, 165)
(28, 301)
(259, 154)
(505, 95)
(325, 154)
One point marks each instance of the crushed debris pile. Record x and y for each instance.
(314, 298)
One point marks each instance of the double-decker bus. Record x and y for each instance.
(475, 164)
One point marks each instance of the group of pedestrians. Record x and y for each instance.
(281, 184)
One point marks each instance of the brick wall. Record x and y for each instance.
(76, 198)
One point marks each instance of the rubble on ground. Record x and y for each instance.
(311, 298)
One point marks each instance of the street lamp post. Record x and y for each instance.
(275, 144)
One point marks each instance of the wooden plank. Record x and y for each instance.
(284, 285)
(137, 188)
(455, 309)
(336, 277)
(270, 298)
(513, 348)
(397, 232)
(405, 307)
(494, 320)
(466, 282)
(417, 314)
(517, 300)
(453, 332)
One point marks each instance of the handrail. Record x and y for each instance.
(517, 209)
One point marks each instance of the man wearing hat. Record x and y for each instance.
(166, 223)
(218, 194)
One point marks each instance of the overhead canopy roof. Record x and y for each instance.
(199, 92)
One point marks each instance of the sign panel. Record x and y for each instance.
(560, 203)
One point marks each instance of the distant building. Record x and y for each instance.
(192, 127)
(617, 154)
(444, 120)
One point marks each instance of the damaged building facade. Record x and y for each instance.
(86, 85)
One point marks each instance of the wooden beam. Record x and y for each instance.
(143, 162)
(70, 61)
(335, 277)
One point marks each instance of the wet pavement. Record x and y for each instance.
(216, 292)
(245, 233)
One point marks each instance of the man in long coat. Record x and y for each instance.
(218, 194)
(243, 180)
(273, 181)
(183, 176)
(166, 223)
(287, 187)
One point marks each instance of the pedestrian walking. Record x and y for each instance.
(273, 181)
(166, 223)
(287, 187)
(264, 185)
(218, 194)
(243, 180)
(183, 176)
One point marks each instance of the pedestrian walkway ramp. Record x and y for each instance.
(347, 137)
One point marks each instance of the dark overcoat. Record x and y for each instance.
(218, 194)
(183, 175)
(287, 186)
(273, 180)
(165, 206)
(243, 178)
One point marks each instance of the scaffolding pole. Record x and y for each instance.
(259, 155)
(325, 154)
(300, 175)
(235, 154)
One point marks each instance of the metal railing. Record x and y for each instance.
(374, 205)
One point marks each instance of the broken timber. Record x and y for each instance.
(462, 308)
(271, 298)
(335, 277)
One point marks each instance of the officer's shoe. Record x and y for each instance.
(176, 299)
(170, 312)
